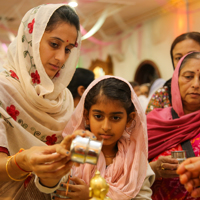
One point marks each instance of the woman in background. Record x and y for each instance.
(182, 45)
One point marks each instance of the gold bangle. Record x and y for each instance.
(9, 158)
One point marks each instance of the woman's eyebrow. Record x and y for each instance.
(57, 38)
(188, 72)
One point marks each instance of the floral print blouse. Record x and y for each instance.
(160, 99)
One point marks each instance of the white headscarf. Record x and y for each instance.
(34, 108)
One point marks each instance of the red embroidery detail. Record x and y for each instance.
(30, 26)
(51, 139)
(35, 77)
(14, 75)
(26, 182)
(4, 150)
(12, 112)
(76, 44)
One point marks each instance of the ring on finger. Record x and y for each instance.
(162, 166)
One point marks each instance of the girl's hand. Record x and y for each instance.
(165, 167)
(80, 191)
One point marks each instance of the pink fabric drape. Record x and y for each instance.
(128, 170)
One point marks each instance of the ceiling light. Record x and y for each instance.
(73, 4)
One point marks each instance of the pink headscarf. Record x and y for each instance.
(128, 170)
(164, 132)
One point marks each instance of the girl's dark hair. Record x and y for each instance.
(194, 55)
(113, 89)
(63, 14)
(82, 77)
(190, 35)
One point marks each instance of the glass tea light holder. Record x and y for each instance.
(179, 155)
(85, 150)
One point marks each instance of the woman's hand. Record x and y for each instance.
(165, 167)
(189, 172)
(80, 191)
(48, 165)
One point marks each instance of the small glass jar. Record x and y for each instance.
(179, 155)
(85, 150)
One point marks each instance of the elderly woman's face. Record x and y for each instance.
(189, 85)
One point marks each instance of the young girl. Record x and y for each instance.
(109, 108)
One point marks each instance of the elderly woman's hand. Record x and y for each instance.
(165, 167)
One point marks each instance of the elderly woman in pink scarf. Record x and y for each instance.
(176, 128)
(109, 108)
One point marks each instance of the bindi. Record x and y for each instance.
(67, 40)
(197, 70)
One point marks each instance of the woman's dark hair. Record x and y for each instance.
(194, 55)
(82, 77)
(113, 89)
(63, 14)
(190, 35)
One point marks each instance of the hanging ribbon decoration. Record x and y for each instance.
(97, 26)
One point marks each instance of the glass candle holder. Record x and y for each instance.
(179, 155)
(85, 150)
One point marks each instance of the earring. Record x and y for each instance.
(131, 127)
(87, 122)
(87, 125)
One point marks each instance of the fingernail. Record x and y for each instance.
(190, 166)
(94, 136)
(67, 152)
(53, 197)
(61, 185)
(83, 131)
(70, 175)
(54, 192)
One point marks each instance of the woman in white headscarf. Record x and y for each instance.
(34, 102)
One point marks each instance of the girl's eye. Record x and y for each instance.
(97, 116)
(116, 118)
(67, 51)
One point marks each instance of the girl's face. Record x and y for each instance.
(182, 48)
(55, 47)
(189, 85)
(108, 120)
